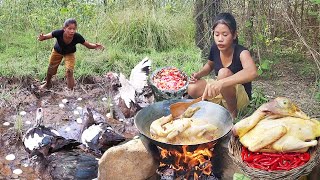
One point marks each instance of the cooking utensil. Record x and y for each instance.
(179, 108)
(213, 113)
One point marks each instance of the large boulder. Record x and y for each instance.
(134, 160)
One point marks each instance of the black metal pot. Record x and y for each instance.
(211, 112)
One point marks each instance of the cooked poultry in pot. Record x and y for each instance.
(278, 126)
(184, 130)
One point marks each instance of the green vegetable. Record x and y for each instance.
(238, 176)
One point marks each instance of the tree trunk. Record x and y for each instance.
(313, 22)
(248, 29)
(199, 24)
(205, 11)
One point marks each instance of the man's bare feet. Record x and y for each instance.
(68, 92)
(45, 86)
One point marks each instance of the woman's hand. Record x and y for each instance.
(212, 90)
(194, 78)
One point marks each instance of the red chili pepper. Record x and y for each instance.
(250, 158)
(305, 157)
(259, 166)
(287, 157)
(273, 166)
(257, 158)
(274, 161)
(265, 159)
(295, 163)
(272, 154)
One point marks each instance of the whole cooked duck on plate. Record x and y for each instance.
(183, 130)
(278, 127)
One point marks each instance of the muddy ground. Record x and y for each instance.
(19, 95)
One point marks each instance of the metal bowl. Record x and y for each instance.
(213, 113)
(167, 94)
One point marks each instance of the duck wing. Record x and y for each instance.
(127, 91)
(100, 137)
(44, 140)
(139, 74)
(72, 165)
(109, 138)
(37, 137)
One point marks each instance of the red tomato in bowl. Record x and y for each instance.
(169, 79)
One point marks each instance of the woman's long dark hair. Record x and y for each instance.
(227, 19)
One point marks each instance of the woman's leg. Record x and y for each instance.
(196, 90)
(70, 62)
(54, 62)
(229, 93)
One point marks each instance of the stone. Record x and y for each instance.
(133, 160)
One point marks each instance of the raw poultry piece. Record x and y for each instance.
(183, 130)
(278, 126)
(279, 107)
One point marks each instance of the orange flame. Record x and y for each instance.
(187, 161)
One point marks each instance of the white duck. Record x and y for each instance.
(98, 136)
(45, 140)
(130, 90)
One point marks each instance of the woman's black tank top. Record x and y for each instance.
(234, 67)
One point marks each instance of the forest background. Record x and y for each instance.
(170, 32)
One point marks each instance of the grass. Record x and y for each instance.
(6, 95)
(128, 36)
(18, 126)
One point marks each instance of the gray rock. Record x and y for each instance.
(134, 160)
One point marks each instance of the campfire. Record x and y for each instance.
(187, 162)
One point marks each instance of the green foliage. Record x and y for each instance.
(238, 176)
(18, 126)
(144, 29)
(315, 1)
(264, 67)
(258, 98)
(129, 33)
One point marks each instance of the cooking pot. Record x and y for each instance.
(211, 112)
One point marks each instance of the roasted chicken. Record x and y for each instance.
(278, 126)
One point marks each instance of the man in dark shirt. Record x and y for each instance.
(65, 47)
